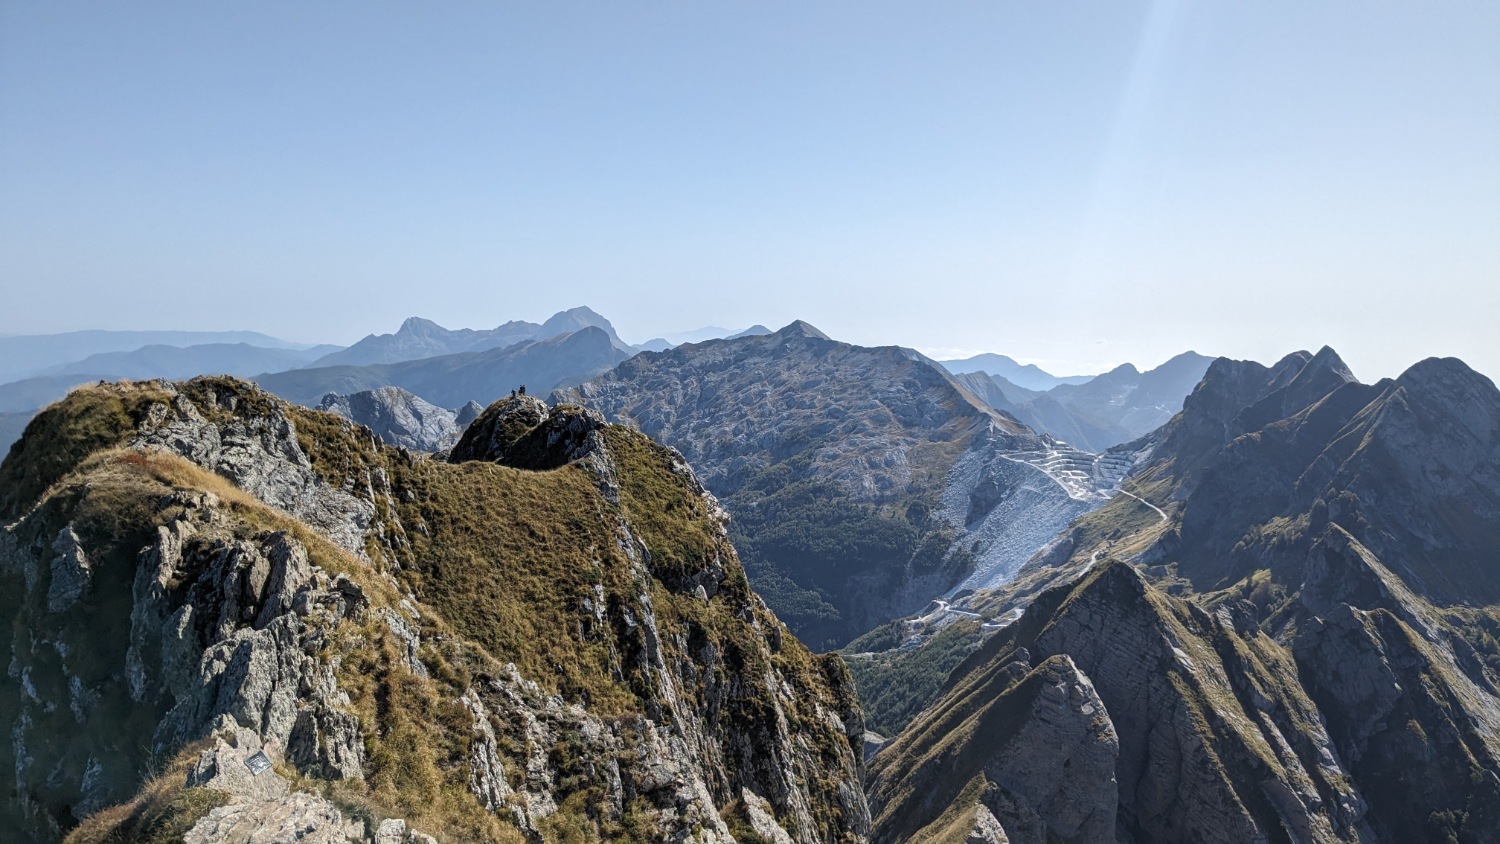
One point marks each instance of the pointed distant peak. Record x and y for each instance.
(1327, 357)
(1287, 368)
(418, 325)
(1124, 369)
(1185, 360)
(1294, 361)
(468, 413)
(1115, 579)
(575, 318)
(756, 330)
(1325, 366)
(798, 328)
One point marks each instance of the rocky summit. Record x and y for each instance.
(862, 481)
(238, 620)
(1297, 643)
(400, 418)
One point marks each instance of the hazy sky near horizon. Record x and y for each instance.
(1075, 184)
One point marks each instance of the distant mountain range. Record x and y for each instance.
(175, 362)
(449, 367)
(455, 379)
(1100, 412)
(421, 338)
(708, 332)
(1026, 376)
(35, 354)
(54, 364)
(147, 362)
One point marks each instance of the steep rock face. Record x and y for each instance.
(399, 418)
(1211, 416)
(251, 440)
(1035, 744)
(212, 629)
(1413, 711)
(1327, 666)
(507, 654)
(1410, 468)
(1213, 743)
(863, 482)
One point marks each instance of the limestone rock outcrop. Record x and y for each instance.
(398, 418)
(549, 641)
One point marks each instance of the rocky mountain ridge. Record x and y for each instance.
(862, 481)
(419, 338)
(1303, 649)
(203, 574)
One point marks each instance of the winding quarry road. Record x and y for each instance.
(944, 607)
(1148, 504)
(1093, 558)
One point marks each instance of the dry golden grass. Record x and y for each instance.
(161, 813)
(500, 561)
(89, 419)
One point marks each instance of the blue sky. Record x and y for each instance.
(1078, 184)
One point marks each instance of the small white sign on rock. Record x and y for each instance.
(258, 763)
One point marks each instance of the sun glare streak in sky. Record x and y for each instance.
(1127, 132)
(1075, 184)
